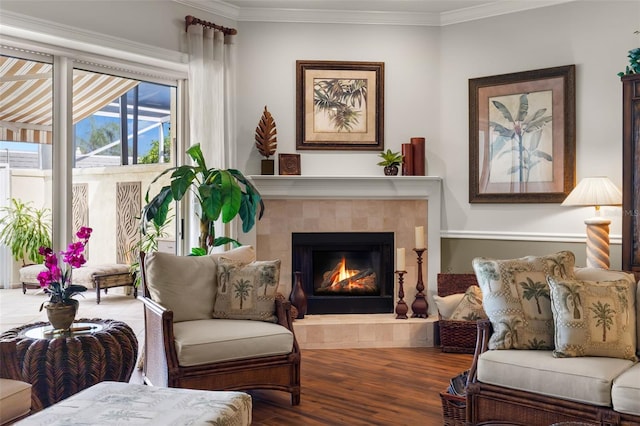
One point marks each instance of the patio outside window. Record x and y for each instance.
(123, 137)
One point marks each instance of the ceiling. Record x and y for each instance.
(401, 12)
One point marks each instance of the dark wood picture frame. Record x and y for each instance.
(522, 128)
(339, 105)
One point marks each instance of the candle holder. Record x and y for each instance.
(419, 305)
(401, 307)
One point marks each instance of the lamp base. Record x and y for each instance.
(598, 242)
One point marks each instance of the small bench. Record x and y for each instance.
(104, 277)
(107, 402)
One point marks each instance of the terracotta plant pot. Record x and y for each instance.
(391, 171)
(62, 314)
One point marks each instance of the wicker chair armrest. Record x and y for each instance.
(160, 353)
(482, 345)
(283, 312)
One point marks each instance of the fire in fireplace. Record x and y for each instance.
(345, 272)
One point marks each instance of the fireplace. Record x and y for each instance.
(345, 272)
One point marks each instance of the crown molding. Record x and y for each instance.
(496, 8)
(254, 14)
(27, 32)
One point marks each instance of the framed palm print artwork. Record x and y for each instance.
(522, 136)
(339, 105)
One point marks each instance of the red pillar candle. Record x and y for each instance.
(417, 145)
(407, 163)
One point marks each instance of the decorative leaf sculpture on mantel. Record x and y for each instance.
(266, 140)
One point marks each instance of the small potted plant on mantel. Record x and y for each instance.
(390, 161)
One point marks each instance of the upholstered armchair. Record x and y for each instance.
(216, 322)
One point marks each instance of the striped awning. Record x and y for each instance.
(26, 98)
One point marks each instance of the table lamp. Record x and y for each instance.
(596, 191)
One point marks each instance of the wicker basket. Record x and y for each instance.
(454, 409)
(458, 336)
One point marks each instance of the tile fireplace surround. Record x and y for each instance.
(354, 204)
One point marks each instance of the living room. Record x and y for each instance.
(428, 59)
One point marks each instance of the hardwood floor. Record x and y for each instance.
(389, 386)
(394, 387)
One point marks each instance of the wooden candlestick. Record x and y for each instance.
(401, 307)
(419, 305)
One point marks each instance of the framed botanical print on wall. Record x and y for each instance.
(522, 136)
(339, 105)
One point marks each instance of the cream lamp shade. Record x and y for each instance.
(596, 191)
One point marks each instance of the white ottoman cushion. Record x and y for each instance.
(15, 399)
(124, 403)
(583, 379)
(83, 276)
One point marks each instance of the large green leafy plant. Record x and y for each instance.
(24, 228)
(221, 193)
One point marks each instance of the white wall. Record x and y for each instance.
(426, 93)
(426, 88)
(593, 35)
(267, 61)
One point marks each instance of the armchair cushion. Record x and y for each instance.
(594, 318)
(586, 379)
(15, 399)
(516, 298)
(625, 393)
(247, 291)
(187, 285)
(217, 340)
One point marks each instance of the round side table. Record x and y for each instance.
(59, 365)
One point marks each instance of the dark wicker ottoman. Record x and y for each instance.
(60, 365)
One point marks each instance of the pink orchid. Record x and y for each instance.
(55, 281)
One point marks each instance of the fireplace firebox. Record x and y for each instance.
(345, 272)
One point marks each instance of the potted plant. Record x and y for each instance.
(24, 229)
(634, 63)
(57, 282)
(390, 161)
(221, 193)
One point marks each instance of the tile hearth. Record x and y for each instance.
(363, 331)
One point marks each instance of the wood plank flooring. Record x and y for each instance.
(388, 386)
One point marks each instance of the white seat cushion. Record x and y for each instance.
(584, 379)
(15, 399)
(110, 403)
(82, 276)
(216, 340)
(625, 393)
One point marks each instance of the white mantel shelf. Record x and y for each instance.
(367, 187)
(370, 187)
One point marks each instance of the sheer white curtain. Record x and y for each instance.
(211, 104)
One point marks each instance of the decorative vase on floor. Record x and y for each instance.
(297, 297)
(62, 314)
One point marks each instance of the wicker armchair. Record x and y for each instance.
(162, 366)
